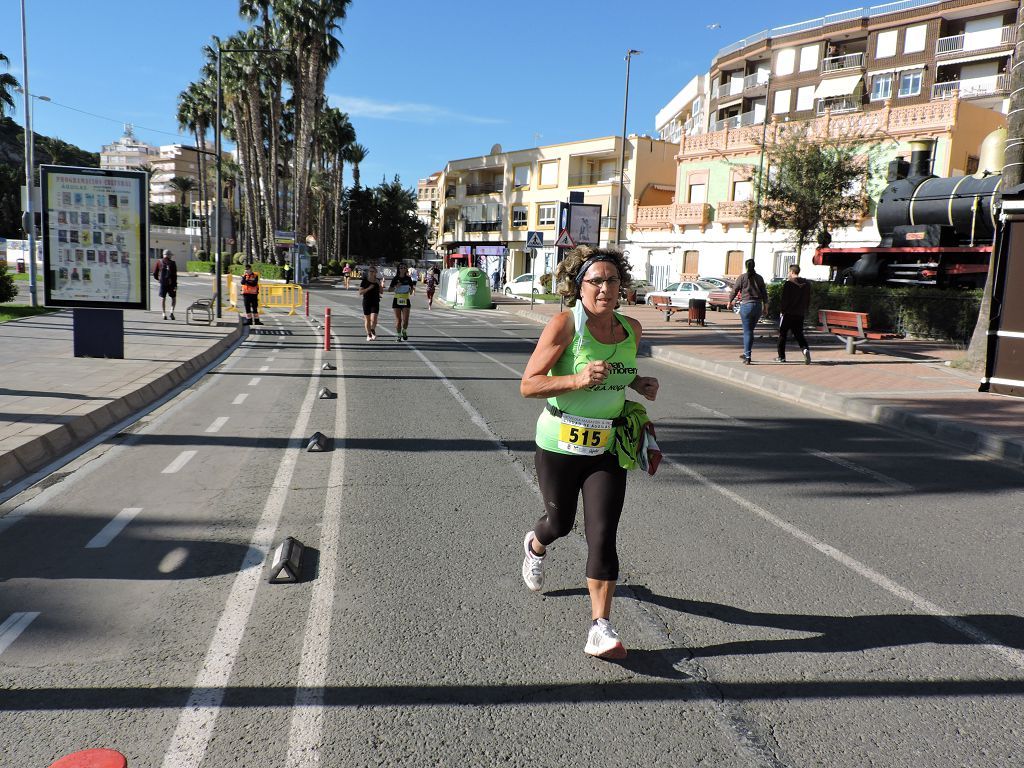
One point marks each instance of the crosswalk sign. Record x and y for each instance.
(534, 239)
(564, 241)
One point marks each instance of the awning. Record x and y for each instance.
(839, 86)
(977, 57)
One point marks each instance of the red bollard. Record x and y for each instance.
(307, 305)
(327, 329)
(92, 758)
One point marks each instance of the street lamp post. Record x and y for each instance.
(622, 151)
(29, 222)
(760, 167)
(217, 149)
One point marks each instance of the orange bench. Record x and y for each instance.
(664, 304)
(851, 328)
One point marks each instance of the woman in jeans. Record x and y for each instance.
(753, 295)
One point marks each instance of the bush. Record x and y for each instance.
(202, 266)
(239, 258)
(333, 268)
(8, 290)
(202, 256)
(267, 271)
(918, 311)
(545, 282)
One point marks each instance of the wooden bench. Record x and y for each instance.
(664, 304)
(852, 328)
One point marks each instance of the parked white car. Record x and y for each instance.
(680, 293)
(524, 285)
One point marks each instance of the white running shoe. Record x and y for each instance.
(533, 565)
(369, 337)
(603, 641)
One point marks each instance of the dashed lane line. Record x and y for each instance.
(892, 482)
(717, 414)
(254, 381)
(264, 368)
(217, 424)
(13, 626)
(239, 399)
(175, 466)
(114, 527)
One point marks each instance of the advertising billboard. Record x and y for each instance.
(95, 233)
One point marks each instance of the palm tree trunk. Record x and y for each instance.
(339, 175)
(248, 185)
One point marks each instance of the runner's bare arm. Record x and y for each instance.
(553, 341)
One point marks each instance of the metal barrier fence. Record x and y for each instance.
(271, 296)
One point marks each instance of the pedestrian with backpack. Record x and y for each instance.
(165, 271)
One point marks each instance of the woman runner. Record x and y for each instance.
(584, 360)
(370, 289)
(431, 283)
(402, 286)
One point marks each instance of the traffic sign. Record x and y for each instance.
(564, 241)
(534, 239)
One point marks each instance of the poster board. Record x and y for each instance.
(95, 232)
(583, 221)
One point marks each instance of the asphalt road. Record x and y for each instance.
(797, 590)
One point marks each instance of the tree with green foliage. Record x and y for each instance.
(811, 186)
(7, 84)
(182, 185)
(8, 290)
(384, 222)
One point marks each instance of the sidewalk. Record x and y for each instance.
(52, 402)
(901, 384)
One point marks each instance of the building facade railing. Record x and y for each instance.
(486, 188)
(672, 215)
(755, 80)
(973, 88)
(975, 42)
(738, 121)
(838, 105)
(734, 212)
(589, 179)
(482, 226)
(840, 63)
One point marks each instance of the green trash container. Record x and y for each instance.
(474, 291)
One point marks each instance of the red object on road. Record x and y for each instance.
(327, 329)
(307, 305)
(92, 758)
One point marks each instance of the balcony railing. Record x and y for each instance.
(734, 212)
(486, 188)
(738, 121)
(837, 105)
(449, 191)
(668, 216)
(607, 222)
(483, 226)
(588, 179)
(839, 63)
(971, 89)
(976, 41)
(755, 80)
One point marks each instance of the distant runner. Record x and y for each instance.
(370, 289)
(431, 283)
(403, 287)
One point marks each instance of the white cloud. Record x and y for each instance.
(405, 112)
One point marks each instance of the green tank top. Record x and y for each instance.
(604, 401)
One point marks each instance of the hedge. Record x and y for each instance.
(268, 271)
(204, 267)
(918, 311)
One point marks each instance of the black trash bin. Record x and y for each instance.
(698, 311)
(20, 265)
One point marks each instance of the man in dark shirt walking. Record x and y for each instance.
(166, 273)
(796, 299)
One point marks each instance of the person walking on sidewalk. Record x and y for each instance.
(166, 273)
(251, 295)
(753, 295)
(370, 288)
(796, 300)
(402, 286)
(583, 363)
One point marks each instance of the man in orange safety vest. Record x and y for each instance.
(250, 295)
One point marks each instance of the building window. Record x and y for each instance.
(698, 193)
(734, 262)
(782, 99)
(742, 190)
(808, 58)
(914, 37)
(549, 174)
(518, 215)
(520, 175)
(690, 261)
(910, 83)
(546, 215)
(881, 87)
(784, 61)
(805, 98)
(972, 165)
(886, 45)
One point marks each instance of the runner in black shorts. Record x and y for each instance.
(370, 289)
(403, 287)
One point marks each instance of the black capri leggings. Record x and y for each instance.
(251, 301)
(603, 483)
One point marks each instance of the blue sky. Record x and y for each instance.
(423, 83)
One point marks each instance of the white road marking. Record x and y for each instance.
(982, 638)
(482, 354)
(196, 723)
(270, 359)
(114, 527)
(218, 423)
(239, 399)
(716, 414)
(13, 626)
(305, 737)
(892, 482)
(183, 458)
(254, 381)
(264, 368)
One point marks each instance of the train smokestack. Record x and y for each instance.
(921, 152)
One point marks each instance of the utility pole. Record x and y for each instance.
(29, 222)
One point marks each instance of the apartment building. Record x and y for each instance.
(428, 196)
(173, 160)
(127, 153)
(489, 203)
(880, 76)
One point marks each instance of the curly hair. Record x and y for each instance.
(569, 269)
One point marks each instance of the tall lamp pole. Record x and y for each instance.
(760, 167)
(217, 149)
(29, 222)
(622, 151)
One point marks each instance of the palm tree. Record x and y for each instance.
(335, 135)
(182, 185)
(7, 84)
(355, 155)
(196, 112)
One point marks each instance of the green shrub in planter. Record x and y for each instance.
(203, 267)
(202, 256)
(267, 271)
(333, 268)
(239, 258)
(545, 282)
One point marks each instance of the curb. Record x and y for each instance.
(45, 449)
(964, 436)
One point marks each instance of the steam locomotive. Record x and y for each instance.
(934, 231)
